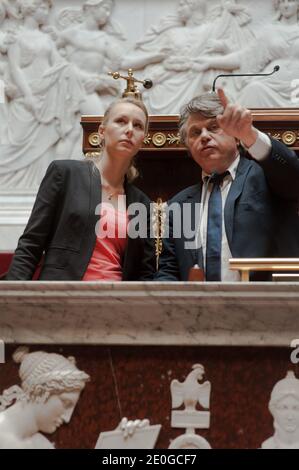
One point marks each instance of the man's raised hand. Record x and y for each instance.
(236, 121)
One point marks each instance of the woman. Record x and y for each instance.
(80, 238)
(50, 390)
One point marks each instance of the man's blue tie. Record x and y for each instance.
(214, 230)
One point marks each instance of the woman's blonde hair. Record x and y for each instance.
(95, 157)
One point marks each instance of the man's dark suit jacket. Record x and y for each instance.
(62, 224)
(260, 214)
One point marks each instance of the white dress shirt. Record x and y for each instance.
(259, 151)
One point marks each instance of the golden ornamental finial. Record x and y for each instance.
(158, 225)
(132, 89)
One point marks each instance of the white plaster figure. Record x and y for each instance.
(277, 43)
(44, 108)
(174, 38)
(96, 45)
(284, 407)
(130, 434)
(50, 389)
(93, 44)
(7, 37)
(190, 392)
(183, 38)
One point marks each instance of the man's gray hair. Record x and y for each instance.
(207, 105)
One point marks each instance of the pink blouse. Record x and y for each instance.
(106, 261)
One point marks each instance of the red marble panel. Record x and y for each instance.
(135, 382)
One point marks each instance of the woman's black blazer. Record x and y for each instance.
(62, 227)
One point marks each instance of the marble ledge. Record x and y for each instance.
(239, 314)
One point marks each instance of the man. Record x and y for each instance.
(246, 202)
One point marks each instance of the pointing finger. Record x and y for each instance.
(222, 97)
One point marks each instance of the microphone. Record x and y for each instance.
(147, 83)
(276, 68)
(197, 273)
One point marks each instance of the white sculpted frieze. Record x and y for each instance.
(276, 43)
(51, 385)
(194, 32)
(50, 389)
(54, 59)
(189, 393)
(46, 96)
(284, 407)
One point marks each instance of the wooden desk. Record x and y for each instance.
(245, 265)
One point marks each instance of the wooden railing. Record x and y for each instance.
(281, 124)
(274, 265)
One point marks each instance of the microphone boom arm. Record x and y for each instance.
(276, 69)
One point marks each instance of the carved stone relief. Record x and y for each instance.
(190, 392)
(50, 389)
(51, 385)
(137, 434)
(284, 407)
